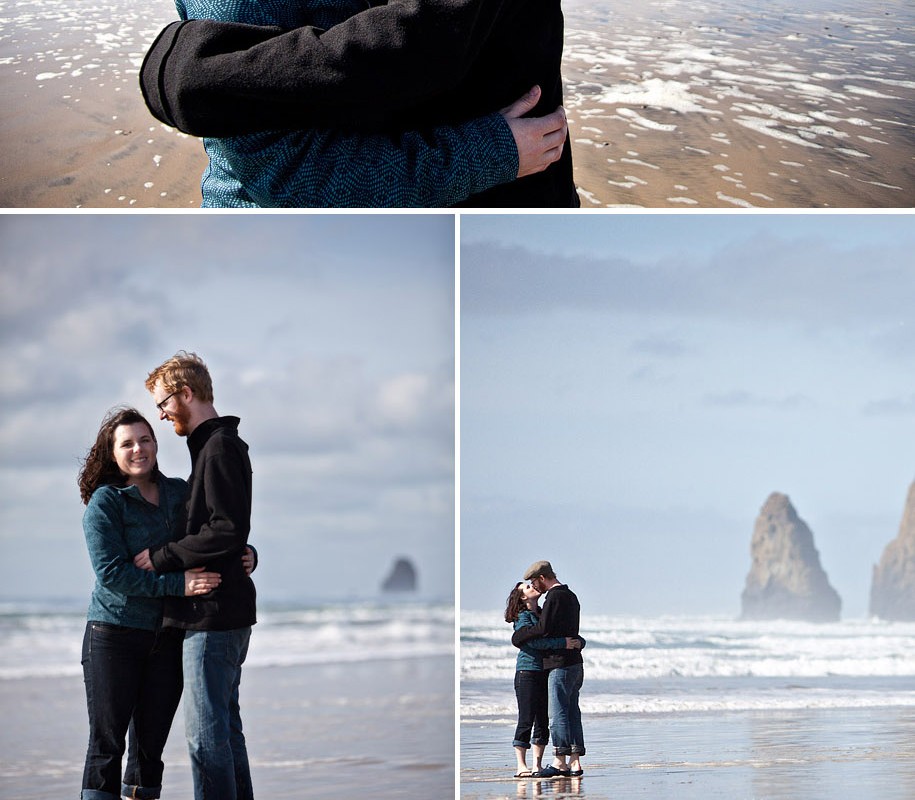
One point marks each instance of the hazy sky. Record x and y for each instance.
(332, 337)
(633, 387)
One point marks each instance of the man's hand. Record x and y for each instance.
(539, 139)
(247, 561)
(196, 581)
(142, 561)
(573, 643)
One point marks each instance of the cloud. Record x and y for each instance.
(891, 407)
(812, 282)
(320, 405)
(739, 398)
(664, 347)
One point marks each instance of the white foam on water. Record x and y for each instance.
(48, 644)
(860, 90)
(639, 163)
(657, 93)
(768, 128)
(642, 122)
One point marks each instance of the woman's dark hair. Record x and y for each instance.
(99, 467)
(514, 604)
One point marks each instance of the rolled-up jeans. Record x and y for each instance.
(564, 685)
(533, 717)
(133, 679)
(212, 716)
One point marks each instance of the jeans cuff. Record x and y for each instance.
(97, 794)
(519, 743)
(141, 792)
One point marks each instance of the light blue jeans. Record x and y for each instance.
(564, 684)
(212, 674)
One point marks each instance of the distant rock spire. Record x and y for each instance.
(786, 580)
(893, 585)
(402, 577)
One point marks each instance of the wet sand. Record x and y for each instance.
(860, 754)
(672, 104)
(381, 730)
(75, 131)
(677, 104)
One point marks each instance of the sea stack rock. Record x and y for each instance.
(893, 586)
(402, 577)
(786, 580)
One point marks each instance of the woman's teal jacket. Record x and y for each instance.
(118, 524)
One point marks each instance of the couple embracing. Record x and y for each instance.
(549, 673)
(173, 603)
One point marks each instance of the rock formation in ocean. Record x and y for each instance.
(893, 584)
(786, 580)
(402, 577)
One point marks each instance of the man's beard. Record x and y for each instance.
(181, 420)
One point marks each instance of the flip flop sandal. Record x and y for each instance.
(552, 772)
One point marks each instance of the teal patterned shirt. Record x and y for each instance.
(325, 168)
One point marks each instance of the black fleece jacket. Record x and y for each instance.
(404, 65)
(560, 617)
(217, 522)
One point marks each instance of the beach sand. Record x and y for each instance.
(75, 130)
(671, 104)
(732, 104)
(860, 754)
(380, 730)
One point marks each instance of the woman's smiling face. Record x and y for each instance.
(134, 450)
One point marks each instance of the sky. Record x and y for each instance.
(634, 386)
(331, 337)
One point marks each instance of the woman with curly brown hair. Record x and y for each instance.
(131, 665)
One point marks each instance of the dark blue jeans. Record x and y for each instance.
(531, 693)
(133, 679)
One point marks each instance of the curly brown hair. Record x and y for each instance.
(514, 604)
(99, 467)
(183, 369)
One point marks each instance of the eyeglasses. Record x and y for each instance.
(159, 405)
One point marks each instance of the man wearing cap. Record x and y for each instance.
(560, 617)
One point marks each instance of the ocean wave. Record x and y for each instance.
(652, 648)
(46, 640)
(503, 709)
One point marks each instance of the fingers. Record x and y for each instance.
(554, 123)
(540, 140)
(553, 131)
(205, 582)
(523, 104)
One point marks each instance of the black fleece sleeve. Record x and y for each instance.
(211, 78)
(542, 628)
